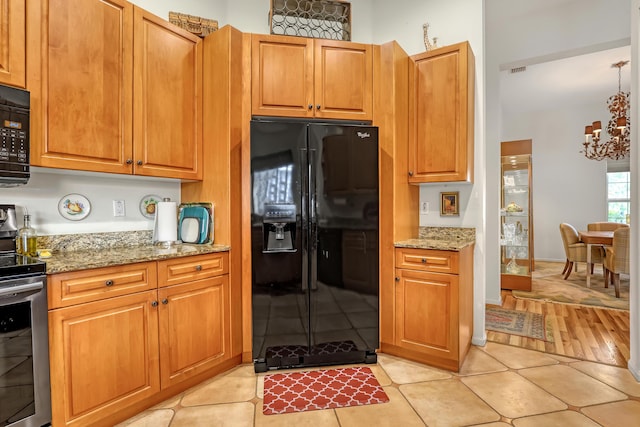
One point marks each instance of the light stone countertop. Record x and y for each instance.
(66, 261)
(437, 244)
(441, 238)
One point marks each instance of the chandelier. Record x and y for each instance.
(618, 128)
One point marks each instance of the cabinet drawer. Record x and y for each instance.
(77, 287)
(427, 260)
(179, 270)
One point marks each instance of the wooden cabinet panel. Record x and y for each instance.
(432, 307)
(426, 312)
(441, 115)
(119, 333)
(12, 43)
(343, 80)
(179, 270)
(194, 328)
(431, 260)
(282, 76)
(299, 77)
(81, 104)
(104, 356)
(167, 99)
(89, 97)
(90, 285)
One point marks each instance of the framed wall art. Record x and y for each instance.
(449, 203)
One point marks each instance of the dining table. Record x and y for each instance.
(592, 237)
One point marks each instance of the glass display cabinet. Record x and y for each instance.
(516, 216)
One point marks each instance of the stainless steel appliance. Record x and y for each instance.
(24, 347)
(14, 136)
(314, 214)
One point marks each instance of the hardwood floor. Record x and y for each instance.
(584, 332)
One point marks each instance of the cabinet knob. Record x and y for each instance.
(198, 267)
(424, 260)
(397, 279)
(129, 161)
(109, 283)
(410, 173)
(318, 107)
(165, 301)
(310, 106)
(154, 303)
(139, 163)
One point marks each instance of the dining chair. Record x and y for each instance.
(616, 259)
(576, 251)
(605, 226)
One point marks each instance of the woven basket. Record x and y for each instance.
(194, 24)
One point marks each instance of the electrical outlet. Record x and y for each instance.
(118, 208)
(424, 208)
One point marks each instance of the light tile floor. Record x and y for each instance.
(498, 385)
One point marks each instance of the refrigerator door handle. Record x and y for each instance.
(304, 214)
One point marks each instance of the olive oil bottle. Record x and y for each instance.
(27, 238)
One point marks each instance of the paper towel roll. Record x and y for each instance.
(166, 224)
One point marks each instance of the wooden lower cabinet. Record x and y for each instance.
(104, 356)
(118, 354)
(194, 330)
(433, 306)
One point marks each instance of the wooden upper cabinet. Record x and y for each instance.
(167, 99)
(441, 115)
(343, 80)
(12, 42)
(300, 77)
(282, 76)
(92, 89)
(81, 85)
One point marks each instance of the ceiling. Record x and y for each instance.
(576, 80)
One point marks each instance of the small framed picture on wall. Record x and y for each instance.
(449, 203)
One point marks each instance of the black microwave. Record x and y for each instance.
(14, 136)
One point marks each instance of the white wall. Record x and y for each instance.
(48, 186)
(561, 174)
(634, 292)
(211, 9)
(521, 30)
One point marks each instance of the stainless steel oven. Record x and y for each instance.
(24, 348)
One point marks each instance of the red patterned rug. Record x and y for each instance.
(323, 389)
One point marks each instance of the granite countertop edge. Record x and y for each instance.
(437, 244)
(68, 261)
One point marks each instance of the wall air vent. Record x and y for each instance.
(518, 69)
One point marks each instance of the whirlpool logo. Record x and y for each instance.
(364, 135)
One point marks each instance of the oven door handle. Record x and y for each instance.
(20, 289)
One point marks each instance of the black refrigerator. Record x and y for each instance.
(314, 236)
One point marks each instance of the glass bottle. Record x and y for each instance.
(27, 238)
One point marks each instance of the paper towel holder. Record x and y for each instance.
(164, 243)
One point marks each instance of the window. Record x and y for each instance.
(618, 196)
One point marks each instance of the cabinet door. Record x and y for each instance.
(168, 99)
(343, 80)
(12, 42)
(427, 313)
(281, 76)
(81, 85)
(441, 115)
(104, 355)
(194, 328)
